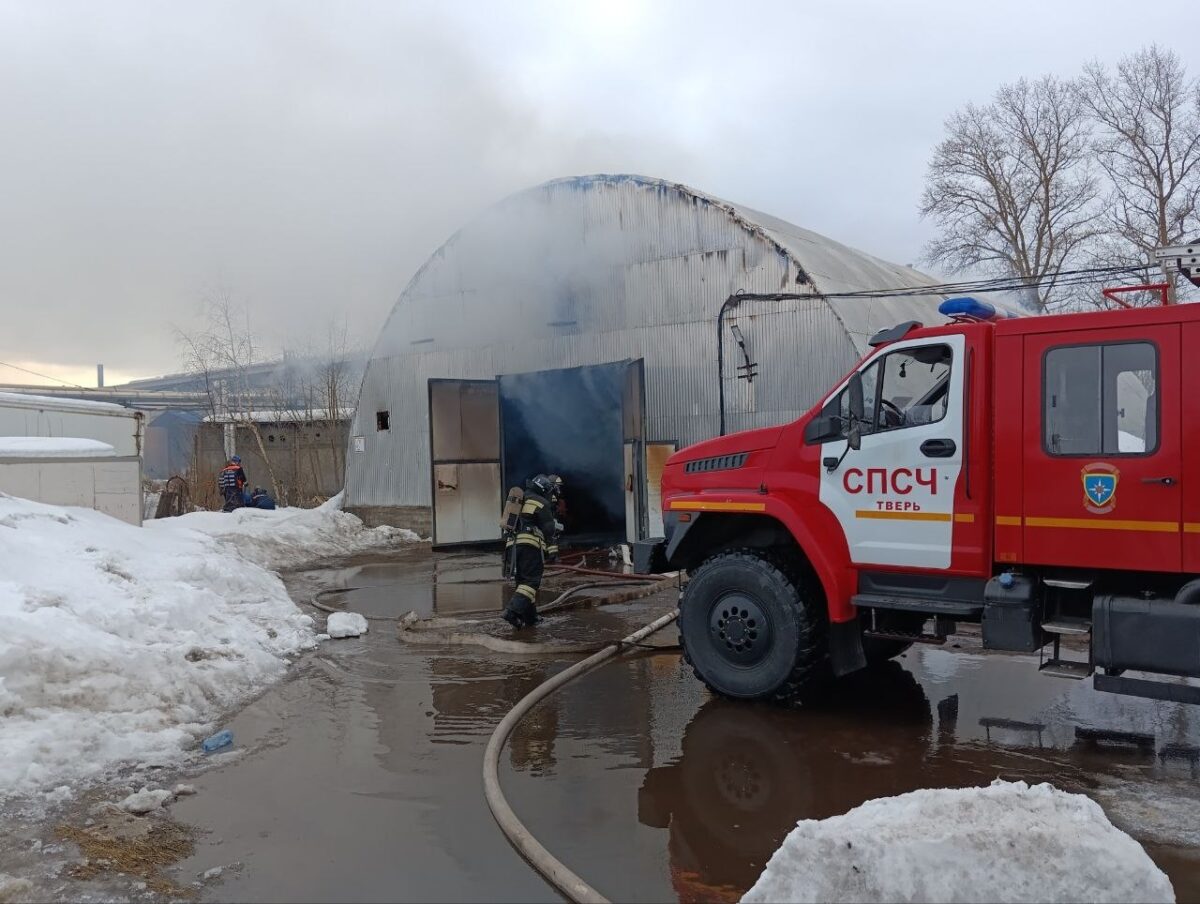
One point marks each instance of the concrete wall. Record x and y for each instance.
(417, 518)
(308, 459)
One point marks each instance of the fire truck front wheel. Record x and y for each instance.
(752, 628)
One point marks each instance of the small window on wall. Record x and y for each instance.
(1100, 399)
(382, 420)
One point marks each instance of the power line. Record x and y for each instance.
(1058, 279)
(26, 370)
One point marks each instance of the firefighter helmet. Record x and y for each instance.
(557, 483)
(541, 485)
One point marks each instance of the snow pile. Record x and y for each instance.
(1006, 842)
(54, 447)
(288, 537)
(142, 802)
(346, 624)
(121, 643)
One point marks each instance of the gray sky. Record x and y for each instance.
(310, 155)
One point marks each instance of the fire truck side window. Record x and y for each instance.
(914, 389)
(1101, 399)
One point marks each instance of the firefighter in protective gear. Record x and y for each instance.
(232, 482)
(537, 531)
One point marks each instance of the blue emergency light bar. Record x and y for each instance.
(967, 307)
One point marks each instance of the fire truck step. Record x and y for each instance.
(1067, 626)
(908, 638)
(1065, 668)
(949, 608)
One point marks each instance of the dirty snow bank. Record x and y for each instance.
(120, 644)
(287, 537)
(1006, 842)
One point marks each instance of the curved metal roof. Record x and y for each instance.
(828, 265)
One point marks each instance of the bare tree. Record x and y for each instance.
(1148, 143)
(223, 352)
(1011, 190)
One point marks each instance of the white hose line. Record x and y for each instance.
(551, 868)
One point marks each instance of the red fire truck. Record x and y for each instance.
(1037, 475)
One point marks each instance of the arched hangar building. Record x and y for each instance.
(573, 328)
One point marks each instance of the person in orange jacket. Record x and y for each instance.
(232, 481)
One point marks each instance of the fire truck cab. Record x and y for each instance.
(1037, 475)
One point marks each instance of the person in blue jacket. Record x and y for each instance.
(260, 499)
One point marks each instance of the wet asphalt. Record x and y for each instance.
(358, 777)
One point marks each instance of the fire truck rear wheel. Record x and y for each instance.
(752, 628)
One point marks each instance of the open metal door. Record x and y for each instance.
(586, 424)
(633, 430)
(464, 451)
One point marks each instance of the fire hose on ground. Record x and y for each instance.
(463, 631)
(546, 864)
(550, 867)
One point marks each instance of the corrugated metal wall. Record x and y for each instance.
(590, 271)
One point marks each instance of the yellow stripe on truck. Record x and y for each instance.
(697, 505)
(1162, 527)
(875, 514)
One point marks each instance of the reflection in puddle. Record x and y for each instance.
(747, 773)
(442, 585)
(365, 766)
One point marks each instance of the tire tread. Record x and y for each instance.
(812, 660)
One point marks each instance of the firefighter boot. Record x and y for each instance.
(520, 611)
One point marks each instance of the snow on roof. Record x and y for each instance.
(58, 403)
(54, 447)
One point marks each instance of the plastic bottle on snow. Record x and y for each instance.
(221, 739)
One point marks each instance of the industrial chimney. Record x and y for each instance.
(99, 376)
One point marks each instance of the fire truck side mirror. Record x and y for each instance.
(854, 436)
(855, 399)
(855, 396)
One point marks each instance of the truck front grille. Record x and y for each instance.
(717, 463)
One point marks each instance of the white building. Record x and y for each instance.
(72, 452)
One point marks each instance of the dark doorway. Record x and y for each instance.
(573, 422)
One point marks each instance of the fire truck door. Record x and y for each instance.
(894, 497)
(1103, 459)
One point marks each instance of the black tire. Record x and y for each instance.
(1189, 593)
(878, 649)
(752, 629)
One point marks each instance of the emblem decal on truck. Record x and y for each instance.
(1100, 488)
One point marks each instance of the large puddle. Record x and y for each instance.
(428, 585)
(359, 778)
